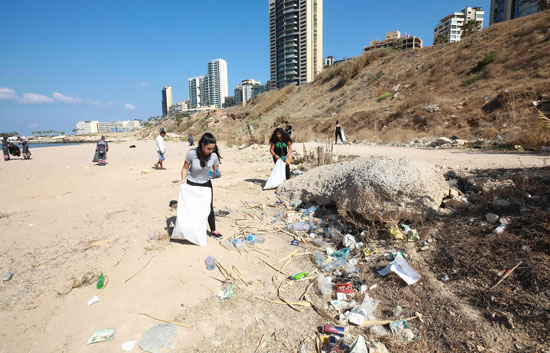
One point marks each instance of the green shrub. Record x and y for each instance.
(487, 59)
(471, 80)
(384, 96)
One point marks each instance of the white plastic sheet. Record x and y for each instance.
(343, 136)
(277, 176)
(402, 269)
(192, 214)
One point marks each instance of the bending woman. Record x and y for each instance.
(281, 148)
(201, 165)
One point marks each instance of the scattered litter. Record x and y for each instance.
(94, 300)
(373, 286)
(294, 242)
(102, 335)
(299, 227)
(222, 213)
(500, 228)
(402, 269)
(100, 281)
(359, 345)
(226, 244)
(335, 330)
(402, 331)
(298, 276)
(128, 346)
(369, 251)
(210, 263)
(341, 296)
(7, 276)
(344, 287)
(403, 233)
(227, 292)
(445, 278)
(356, 318)
(158, 338)
(324, 285)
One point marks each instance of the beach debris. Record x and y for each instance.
(491, 217)
(359, 345)
(128, 346)
(227, 292)
(100, 281)
(402, 331)
(508, 273)
(400, 267)
(102, 335)
(7, 276)
(298, 276)
(294, 242)
(324, 285)
(94, 300)
(403, 232)
(334, 330)
(158, 338)
(141, 269)
(210, 263)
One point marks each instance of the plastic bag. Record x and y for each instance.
(277, 176)
(324, 285)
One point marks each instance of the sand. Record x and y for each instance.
(57, 205)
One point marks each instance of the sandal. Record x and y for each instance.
(216, 234)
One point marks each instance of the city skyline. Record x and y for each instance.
(50, 77)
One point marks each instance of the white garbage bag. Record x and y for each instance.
(343, 136)
(277, 176)
(192, 214)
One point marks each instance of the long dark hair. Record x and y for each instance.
(284, 136)
(207, 139)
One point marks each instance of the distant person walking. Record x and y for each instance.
(338, 132)
(201, 165)
(288, 129)
(161, 150)
(5, 148)
(101, 149)
(25, 147)
(190, 139)
(281, 148)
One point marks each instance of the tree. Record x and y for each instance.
(469, 28)
(544, 5)
(440, 39)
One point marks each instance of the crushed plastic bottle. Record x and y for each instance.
(226, 244)
(100, 281)
(299, 227)
(210, 263)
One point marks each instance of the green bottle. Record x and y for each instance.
(100, 281)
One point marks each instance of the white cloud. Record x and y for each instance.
(7, 93)
(129, 107)
(144, 84)
(34, 98)
(33, 125)
(65, 99)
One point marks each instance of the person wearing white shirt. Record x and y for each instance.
(161, 150)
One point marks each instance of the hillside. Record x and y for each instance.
(481, 87)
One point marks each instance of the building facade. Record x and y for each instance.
(295, 41)
(166, 99)
(452, 26)
(180, 107)
(504, 10)
(87, 127)
(217, 82)
(196, 86)
(247, 90)
(396, 41)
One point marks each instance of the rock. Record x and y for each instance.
(433, 108)
(458, 203)
(500, 203)
(389, 187)
(443, 141)
(491, 217)
(378, 347)
(455, 193)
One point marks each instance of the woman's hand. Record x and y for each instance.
(181, 182)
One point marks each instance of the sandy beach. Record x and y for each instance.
(64, 219)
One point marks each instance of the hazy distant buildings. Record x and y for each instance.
(504, 10)
(180, 107)
(247, 90)
(452, 26)
(295, 41)
(229, 101)
(217, 82)
(166, 99)
(196, 86)
(396, 41)
(94, 127)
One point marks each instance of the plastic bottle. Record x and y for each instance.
(251, 239)
(239, 243)
(226, 244)
(500, 228)
(210, 263)
(300, 226)
(260, 239)
(100, 281)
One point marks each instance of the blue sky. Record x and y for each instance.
(65, 61)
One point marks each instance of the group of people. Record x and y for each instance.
(6, 146)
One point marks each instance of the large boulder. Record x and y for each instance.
(385, 188)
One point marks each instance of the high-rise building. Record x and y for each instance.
(452, 26)
(196, 85)
(166, 99)
(295, 41)
(217, 82)
(504, 10)
(247, 89)
(205, 93)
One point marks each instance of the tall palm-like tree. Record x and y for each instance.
(544, 5)
(469, 28)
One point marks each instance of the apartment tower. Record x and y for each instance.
(452, 26)
(295, 41)
(196, 85)
(217, 83)
(166, 99)
(504, 10)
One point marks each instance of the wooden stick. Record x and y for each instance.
(240, 276)
(300, 303)
(259, 344)
(387, 322)
(303, 296)
(98, 243)
(273, 267)
(289, 255)
(167, 321)
(139, 270)
(506, 275)
(284, 300)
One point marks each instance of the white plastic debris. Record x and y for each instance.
(94, 300)
(128, 346)
(402, 269)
